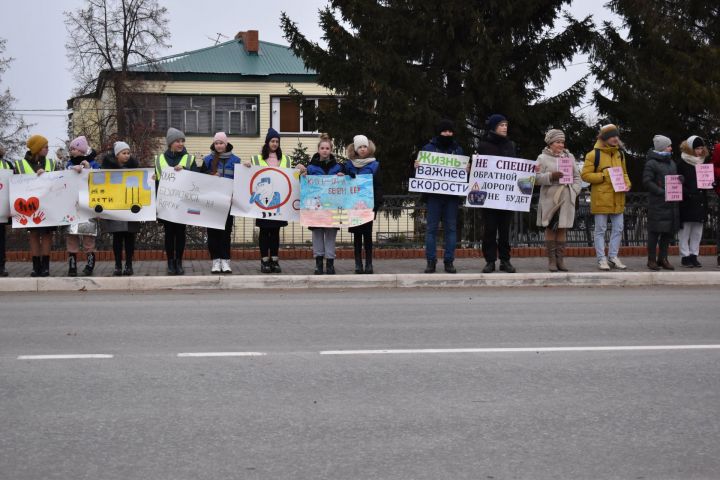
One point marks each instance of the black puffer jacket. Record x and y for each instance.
(693, 207)
(497, 145)
(662, 216)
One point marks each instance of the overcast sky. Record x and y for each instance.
(41, 75)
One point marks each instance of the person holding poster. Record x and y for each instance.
(663, 217)
(441, 208)
(81, 157)
(607, 200)
(123, 233)
(221, 162)
(269, 236)
(361, 154)
(693, 207)
(496, 238)
(716, 170)
(4, 166)
(560, 185)
(323, 239)
(177, 157)
(36, 162)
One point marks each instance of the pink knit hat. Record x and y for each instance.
(221, 137)
(81, 144)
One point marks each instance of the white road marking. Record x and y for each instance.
(523, 349)
(222, 354)
(83, 356)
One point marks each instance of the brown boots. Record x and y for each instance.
(556, 255)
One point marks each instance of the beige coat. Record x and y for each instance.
(553, 195)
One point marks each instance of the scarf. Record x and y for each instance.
(361, 162)
(692, 159)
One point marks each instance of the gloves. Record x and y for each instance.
(555, 176)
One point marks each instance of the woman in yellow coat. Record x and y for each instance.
(605, 202)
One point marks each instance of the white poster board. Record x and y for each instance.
(501, 183)
(266, 192)
(440, 173)
(47, 200)
(126, 195)
(193, 198)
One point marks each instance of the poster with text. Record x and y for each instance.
(501, 183)
(440, 173)
(566, 165)
(193, 198)
(336, 201)
(126, 194)
(617, 178)
(46, 200)
(705, 175)
(673, 188)
(5, 175)
(266, 192)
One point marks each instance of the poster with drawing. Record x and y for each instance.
(266, 192)
(5, 175)
(47, 200)
(193, 198)
(336, 201)
(126, 195)
(502, 183)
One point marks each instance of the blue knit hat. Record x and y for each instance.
(494, 120)
(271, 133)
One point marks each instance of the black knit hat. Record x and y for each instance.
(445, 124)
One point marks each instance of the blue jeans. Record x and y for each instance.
(441, 208)
(601, 221)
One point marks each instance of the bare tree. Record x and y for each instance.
(13, 128)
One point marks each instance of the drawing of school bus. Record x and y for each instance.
(126, 190)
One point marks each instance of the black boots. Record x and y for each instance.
(118, 269)
(319, 265)
(506, 266)
(449, 267)
(430, 268)
(265, 266)
(171, 269)
(358, 264)
(275, 265)
(45, 266)
(489, 267)
(128, 269)
(369, 266)
(36, 267)
(90, 266)
(3, 270)
(330, 266)
(72, 265)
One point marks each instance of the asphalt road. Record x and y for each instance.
(290, 412)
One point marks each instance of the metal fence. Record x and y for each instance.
(402, 223)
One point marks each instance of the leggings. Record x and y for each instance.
(269, 240)
(174, 240)
(128, 238)
(219, 240)
(363, 234)
(655, 238)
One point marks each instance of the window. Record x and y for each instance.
(193, 115)
(236, 115)
(150, 112)
(292, 117)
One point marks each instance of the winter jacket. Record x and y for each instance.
(109, 162)
(90, 157)
(554, 196)
(693, 207)
(331, 167)
(226, 167)
(663, 217)
(372, 168)
(497, 145)
(716, 167)
(603, 198)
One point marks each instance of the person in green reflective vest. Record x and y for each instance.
(36, 162)
(4, 165)
(269, 237)
(177, 157)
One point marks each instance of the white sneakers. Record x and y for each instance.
(613, 262)
(225, 266)
(603, 265)
(216, 266)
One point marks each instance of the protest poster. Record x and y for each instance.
(567, 167)
(440, 173)
(5, 175)
(266, 192)
(673, 188)
(192, 198)
(501, 183)
(127, 195)
(617, 178)
(336, 201)
(705, 175)
(47, 200)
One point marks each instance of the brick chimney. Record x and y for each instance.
(251, 41)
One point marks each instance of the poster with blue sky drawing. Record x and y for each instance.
(336, 201)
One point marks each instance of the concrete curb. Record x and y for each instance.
(245, 282)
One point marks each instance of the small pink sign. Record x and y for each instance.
(567, 167)
(673, 188)
(617, 177)
(705, 175)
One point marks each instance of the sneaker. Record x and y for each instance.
(216, 268)
(685, 262)
(616, 263)
(275, 266)
(694, 261)
(603, 265)
(489, 267)
(225, 266)
(265, 266)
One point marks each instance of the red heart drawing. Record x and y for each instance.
(27, 207)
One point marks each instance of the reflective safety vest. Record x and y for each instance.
(23, 166)
(5, 165)
(161, 163)
(285, 161)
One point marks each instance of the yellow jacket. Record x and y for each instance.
(603, 198)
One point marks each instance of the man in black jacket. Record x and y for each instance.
(497, 222)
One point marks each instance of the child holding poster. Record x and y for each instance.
(323, 239)
(81, 157)
(693, 207)
(560, 185)
(361, 154)
(123, 233)
(36, 162)
(221, 162)
(663, 216)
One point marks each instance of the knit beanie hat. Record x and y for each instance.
(661, 142)
(220, 137)
(494, 120)
(173, 134)
(695, 142)
(119, 147)
(360, 141)
(443, 125)
(36, 143)
(608, 131)
(271, 133)
(81, 144)
(554, 135)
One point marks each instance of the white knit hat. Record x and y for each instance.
(360, 141)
